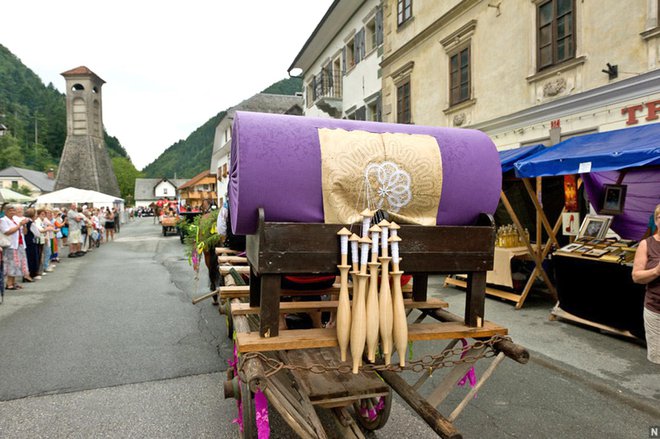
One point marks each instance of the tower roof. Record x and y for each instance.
(81, 71)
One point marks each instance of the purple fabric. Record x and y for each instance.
(276, 164)
(642, 195)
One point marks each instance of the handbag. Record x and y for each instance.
(5, 241)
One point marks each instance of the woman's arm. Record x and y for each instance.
(639, 273)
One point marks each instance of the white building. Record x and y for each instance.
(340, 62)
(150, 190)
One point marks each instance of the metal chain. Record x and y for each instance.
(427, 363)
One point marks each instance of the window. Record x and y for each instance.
(370, 29)
(14, 184)
(349, 54)
(459, 76)
(403, 103)
(164, 191)
(374, 31)
(374, 111)
(556, 32)
(404, 11)
(361, 113)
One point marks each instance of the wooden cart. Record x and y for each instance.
(298, 370)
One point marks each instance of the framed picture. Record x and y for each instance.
(570, 247)
(614, 199)
(570, 223)
(594, 226)
(595, 253)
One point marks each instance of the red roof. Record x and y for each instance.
(81, 71)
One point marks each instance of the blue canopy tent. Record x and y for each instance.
(625, 156)
(608, 151)
(511, 156)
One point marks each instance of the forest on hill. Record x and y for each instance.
(187, 158)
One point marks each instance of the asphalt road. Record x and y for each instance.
(109, 345)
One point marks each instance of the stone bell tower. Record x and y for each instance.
(85, 162)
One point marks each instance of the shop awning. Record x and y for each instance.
(510, 156)
(607, 151)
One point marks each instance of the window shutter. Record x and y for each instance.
(363, 43)
(314, 88)
(379, 26)
(379, 110)
(356, 48)
(343, 60)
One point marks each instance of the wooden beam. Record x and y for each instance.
(443, 427)
(232, 260)
(244, 291)
(327, 305)
(552, 235)
(327, 337)
(225, 251)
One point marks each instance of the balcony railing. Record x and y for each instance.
(327, 85)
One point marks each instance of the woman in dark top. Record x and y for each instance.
(31, 246)
(646, 270)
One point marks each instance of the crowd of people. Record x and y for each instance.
(34, 239)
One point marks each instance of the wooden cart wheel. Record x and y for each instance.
(249, 416)
(381, 416)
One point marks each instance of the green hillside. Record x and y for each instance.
(35, 116)
(189, 157)
(186, 158)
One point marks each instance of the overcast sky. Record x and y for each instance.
(168, 66)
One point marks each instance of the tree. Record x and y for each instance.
(10, 152)
(22, 189)
(126, 175)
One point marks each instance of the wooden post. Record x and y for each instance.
(476, 296)
(269, 312)
(420, 287)
(343, 312)
(255, 289)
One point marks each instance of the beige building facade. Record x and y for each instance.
(523, 71)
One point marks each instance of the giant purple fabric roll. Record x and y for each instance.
(276, 164)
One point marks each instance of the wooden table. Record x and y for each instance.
(500, 275)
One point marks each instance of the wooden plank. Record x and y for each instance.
(232, 260)
(558, 312)
(244, 291)
(490, 291)
(225, 251)
(241, 269)
(327, 337)
(328, 305)
(424, 249)
(333, 387)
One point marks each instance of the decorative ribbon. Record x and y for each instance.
(470, 376)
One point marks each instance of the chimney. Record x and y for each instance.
(51, 174)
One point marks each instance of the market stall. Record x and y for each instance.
(593, 274)
(515, 242)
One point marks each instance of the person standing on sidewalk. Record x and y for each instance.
(74, 231)
(646, 270)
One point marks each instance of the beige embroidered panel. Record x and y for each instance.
(399, 173)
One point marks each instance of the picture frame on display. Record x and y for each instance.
(614, 199)
(594, 226)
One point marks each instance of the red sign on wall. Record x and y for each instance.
(652, 110)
